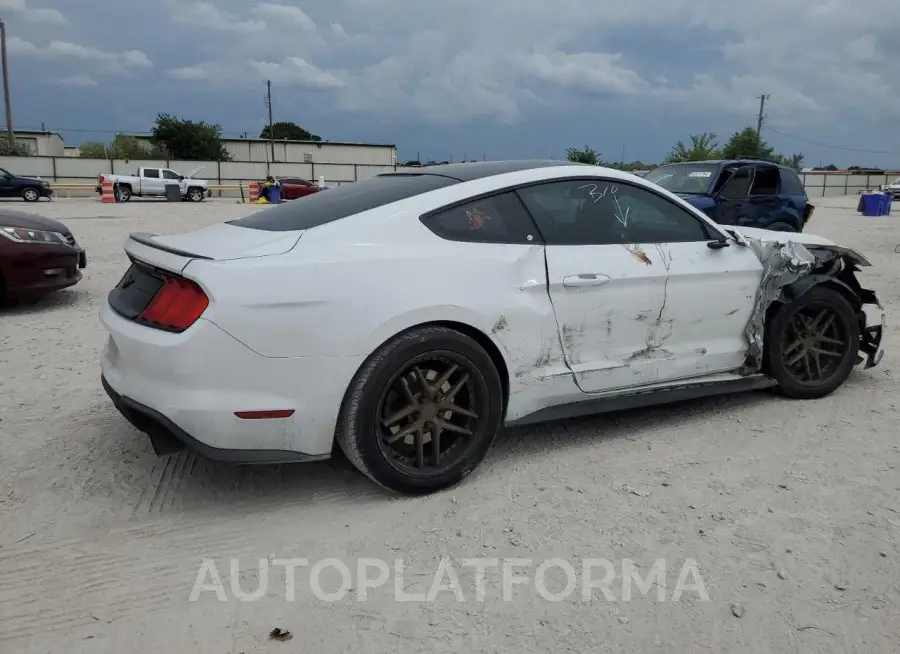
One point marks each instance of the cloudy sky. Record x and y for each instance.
(455, 78)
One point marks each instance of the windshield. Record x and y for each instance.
(683, 178)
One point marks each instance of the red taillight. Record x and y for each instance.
(176, 306)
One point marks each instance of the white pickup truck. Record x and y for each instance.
(151, 182)
(893, 188)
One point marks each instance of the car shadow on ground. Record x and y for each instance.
(195, 484)
(55, 300)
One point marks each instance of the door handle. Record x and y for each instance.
(585, 279)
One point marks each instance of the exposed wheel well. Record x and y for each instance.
(801, 286)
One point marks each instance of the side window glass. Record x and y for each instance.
(791, 184)
(586, 212)
(151, 173)
(496, 219)
(738, 184)
(169, 174)
(765, 181)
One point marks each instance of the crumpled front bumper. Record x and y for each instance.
(871, 341)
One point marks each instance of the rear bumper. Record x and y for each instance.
(183, 390)
(168, 438)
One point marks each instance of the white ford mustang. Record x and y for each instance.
(408, 317)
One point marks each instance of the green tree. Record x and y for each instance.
(795, 161)
(703, 147)
(586, 156)
(189, 140)
(123, 146)
(17, 149)
(131, 147)
(747, 144)
(288, 131)
(95, 150)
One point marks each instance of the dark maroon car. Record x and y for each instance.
(37, 255)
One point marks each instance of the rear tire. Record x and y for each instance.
(812, 343)
(31, 194)
(425, 381)
(123, 194)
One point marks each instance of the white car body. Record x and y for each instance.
(293, 315)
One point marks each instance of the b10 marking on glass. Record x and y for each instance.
(597, 193)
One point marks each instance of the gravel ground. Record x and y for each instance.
(790, 509)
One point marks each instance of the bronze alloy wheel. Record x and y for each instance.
(814, 344)
(430, 413)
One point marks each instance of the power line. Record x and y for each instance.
(830, 146)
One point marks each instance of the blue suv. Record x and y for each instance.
(742, 192)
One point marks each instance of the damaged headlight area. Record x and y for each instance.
(790, 269)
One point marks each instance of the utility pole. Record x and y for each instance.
(759, 120)
(7, 101)
(271, 124)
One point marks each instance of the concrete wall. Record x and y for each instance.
(76, 170)
(826, 184)
(63, 170)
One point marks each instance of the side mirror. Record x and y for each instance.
(181, 178)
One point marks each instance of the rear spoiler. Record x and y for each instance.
(145, 238)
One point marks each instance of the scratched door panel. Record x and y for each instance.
(609, 331)
(709, 299)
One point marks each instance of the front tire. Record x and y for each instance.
(31, 194)
(812, 343)
(195, 194)
(422, 412)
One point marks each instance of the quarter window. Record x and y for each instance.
(791, 184)
(151, 173)
(495, 219)
(601, 212)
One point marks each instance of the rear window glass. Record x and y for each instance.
(341, 201)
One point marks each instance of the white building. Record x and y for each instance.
(41, 144)
(308, 152)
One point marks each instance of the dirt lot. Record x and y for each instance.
(790, 509)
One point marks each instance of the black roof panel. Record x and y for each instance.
(472, 170)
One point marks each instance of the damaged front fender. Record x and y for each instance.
(790, 269)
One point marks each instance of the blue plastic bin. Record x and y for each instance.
(888, 200)
(275, 194)
(872, 204)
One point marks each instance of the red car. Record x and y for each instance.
(293, 188)
(37, 255)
